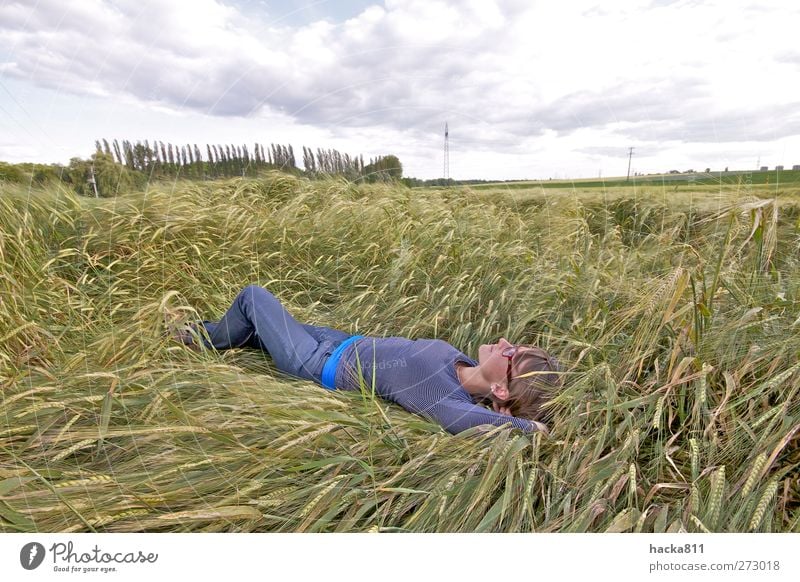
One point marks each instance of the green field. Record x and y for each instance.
(675, 312)
(741, 179)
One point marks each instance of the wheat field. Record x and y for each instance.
(676, 314)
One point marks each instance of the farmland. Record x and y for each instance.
(675, 310)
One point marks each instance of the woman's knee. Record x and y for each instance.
(253, 295)
(253, 290)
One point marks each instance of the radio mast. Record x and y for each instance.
(630, 155)
(446, 153)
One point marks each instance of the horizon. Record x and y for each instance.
(686, 84)
(632, 177)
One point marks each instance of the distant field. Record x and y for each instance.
(675, 311)
(682, 198)
(784, 178)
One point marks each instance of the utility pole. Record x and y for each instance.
(446, 153)
(630, 155)
(93, 182)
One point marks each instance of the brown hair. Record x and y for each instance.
(527, 394)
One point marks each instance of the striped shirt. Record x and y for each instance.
(419, 375)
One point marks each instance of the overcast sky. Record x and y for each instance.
(529, 89)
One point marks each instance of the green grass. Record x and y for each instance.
(677, 317)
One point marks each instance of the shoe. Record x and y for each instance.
(185, 337)
(179, 331)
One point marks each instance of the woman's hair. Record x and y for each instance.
(528, 394)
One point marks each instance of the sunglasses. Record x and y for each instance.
(509, 353)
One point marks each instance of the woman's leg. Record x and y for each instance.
(318, 332)
(322, 333)
(257, 319)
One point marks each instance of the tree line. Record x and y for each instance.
(159, 159)
(121, 166)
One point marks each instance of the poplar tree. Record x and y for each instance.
(128, 151)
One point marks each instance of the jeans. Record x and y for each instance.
(258, 320)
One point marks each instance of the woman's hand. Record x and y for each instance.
(537, 426)
(501, 409)
(540, 427)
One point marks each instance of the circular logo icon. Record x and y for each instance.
(31, 556)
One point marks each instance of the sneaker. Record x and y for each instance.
(179, 331)
(185, 337)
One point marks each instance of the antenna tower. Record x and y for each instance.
(630, 155)
(446, 152)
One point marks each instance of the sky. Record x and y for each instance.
(529, 90)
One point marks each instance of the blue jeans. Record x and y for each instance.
(258, 320)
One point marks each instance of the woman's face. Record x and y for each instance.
(493, 363)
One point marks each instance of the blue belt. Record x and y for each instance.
(329, 370)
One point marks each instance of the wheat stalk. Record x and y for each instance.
(755, 473)
(761, 508)
(695, 458)
(715, 497)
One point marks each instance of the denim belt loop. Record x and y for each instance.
(329, 370)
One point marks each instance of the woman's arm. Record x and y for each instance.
(457, 415)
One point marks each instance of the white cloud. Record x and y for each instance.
(507, 75)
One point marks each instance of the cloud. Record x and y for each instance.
(207, 56)
(789, 56)
(747, 125)
(501, 72)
